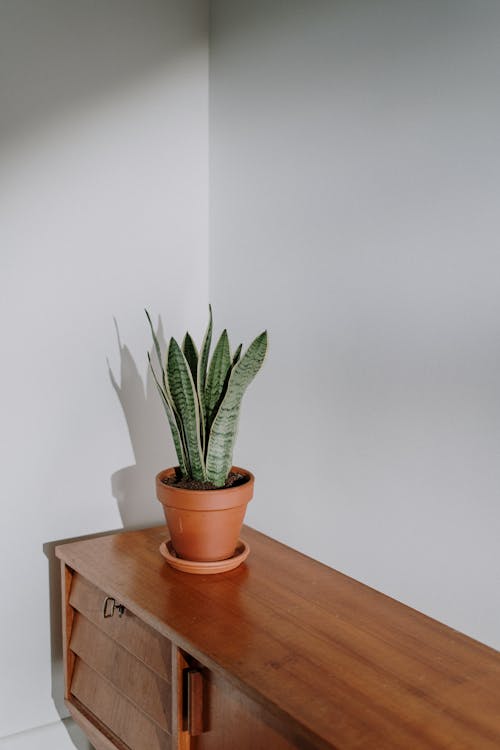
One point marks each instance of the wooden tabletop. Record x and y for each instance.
(351, 667)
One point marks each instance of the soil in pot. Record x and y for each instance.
(234, 480)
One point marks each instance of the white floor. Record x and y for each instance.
(62, 735)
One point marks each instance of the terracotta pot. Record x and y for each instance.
(204, 525)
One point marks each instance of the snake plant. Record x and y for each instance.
(202, 399)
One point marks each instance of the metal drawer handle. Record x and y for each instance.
(109, 607)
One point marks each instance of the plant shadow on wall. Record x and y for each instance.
(133, 486)
(134, 489)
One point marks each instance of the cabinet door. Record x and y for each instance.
(117, 671)
(218, 716)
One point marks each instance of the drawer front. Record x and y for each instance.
(121, 716)
(145, 688)
(129, 631)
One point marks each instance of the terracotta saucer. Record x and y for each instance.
(205, 568)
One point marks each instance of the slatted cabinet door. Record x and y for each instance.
(119, 676)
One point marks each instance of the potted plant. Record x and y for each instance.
(205, 496)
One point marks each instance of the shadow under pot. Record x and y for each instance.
(204, 525)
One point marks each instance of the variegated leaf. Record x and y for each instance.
(191, 354)
(176, 435)
(157, 348)
(202, 376)
(236, 356)
(225, 425)
(218, 372)
(185, 400)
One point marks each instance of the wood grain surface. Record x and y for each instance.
(128, 630)
(130, 676)
(340, 664)
(121, 716)
(101, 737)
(67, 624)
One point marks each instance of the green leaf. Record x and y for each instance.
(157, 348)
(225, 425)
(185, 400)
(173, 417)
(202, 375)
(218, 371)
(191, 353)
(174, 428)
(236, 356)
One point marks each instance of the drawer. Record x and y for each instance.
(129, 631)
(131, 677)
(117, 713)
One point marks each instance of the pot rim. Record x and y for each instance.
(204, 500)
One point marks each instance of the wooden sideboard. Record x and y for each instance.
(281, 653)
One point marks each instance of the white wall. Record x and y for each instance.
(103, 211)
(355, 170)
(355, 165)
